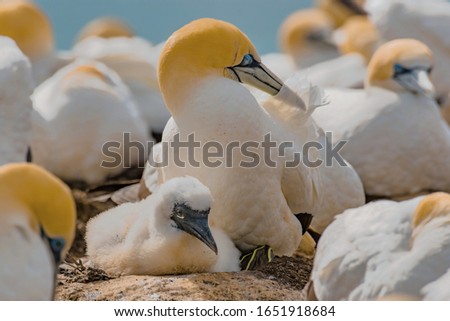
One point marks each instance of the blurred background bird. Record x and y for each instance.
(37, 229)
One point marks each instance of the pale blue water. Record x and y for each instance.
(157, 19)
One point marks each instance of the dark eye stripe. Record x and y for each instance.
(400, 70)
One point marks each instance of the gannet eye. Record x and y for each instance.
(57, 244)
(247, 60)
(399, 70)
(179, 213)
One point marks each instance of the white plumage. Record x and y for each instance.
(82, 107)
(337, 186)
(404, 247)
(133, 60)
(27, 271)
(143, 238)
(397, 141)
(16, 86)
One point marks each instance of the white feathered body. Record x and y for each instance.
(75, 115)
(346, 71)
(398, 143)
(385, 257)
(334, 187)
(132, 59)
(249, 204)
(16, 86)
(27, 269)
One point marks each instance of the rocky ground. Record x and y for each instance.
(282, 279)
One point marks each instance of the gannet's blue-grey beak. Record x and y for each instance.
(254, 73)
(195, 223)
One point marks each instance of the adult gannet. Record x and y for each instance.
(426, 21)
(37, 227)
(357, 40)
(252, 200)
(386, 247)
(25, 22)
(397, 140)
(166, 233)
(357, 35)
(306, 39)
(106, 27)
(131, 58)
(311, 51)
(341, 10)
(16, 86)
(77, 111)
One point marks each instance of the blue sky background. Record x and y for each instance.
(157, 19)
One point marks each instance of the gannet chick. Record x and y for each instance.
(166, 233)
(106, 27)
(341, 10)
(16, 86)
(132, 59)
(80, 119)
(384, 248)
(426, 21)
(397, 140)
(28, 25)
(37, 227)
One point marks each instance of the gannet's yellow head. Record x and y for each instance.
(431, 206)
(82, 71)
(305, 28)
(341, 10)
(106, 27)
(402, 65)
(357, 35)
(210, 48)
(25, 23)
(45, 198)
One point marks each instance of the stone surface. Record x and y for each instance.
(283, 279)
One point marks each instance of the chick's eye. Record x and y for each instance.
(247, 60)
(179, 213)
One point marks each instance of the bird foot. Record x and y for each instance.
(258, 257)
